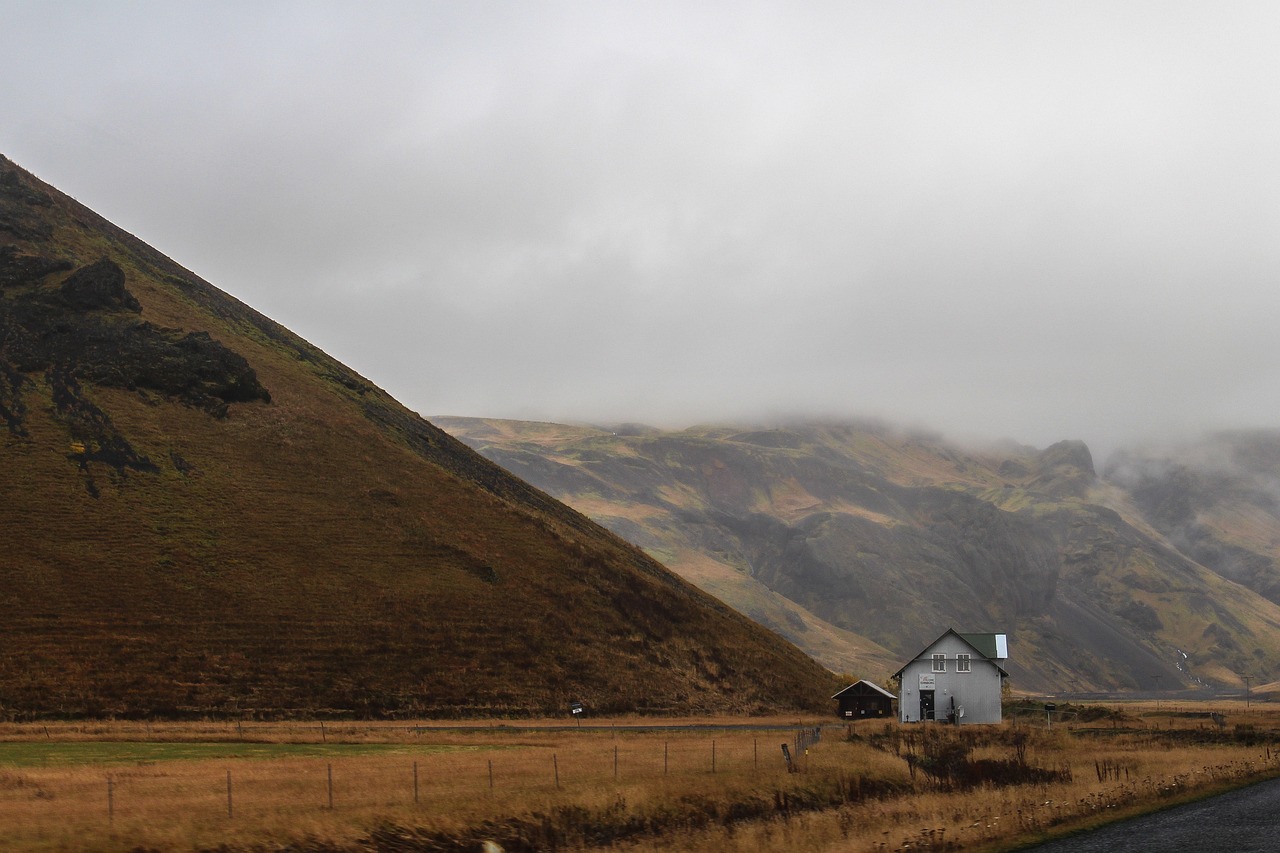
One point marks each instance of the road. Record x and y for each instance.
(1241, 821)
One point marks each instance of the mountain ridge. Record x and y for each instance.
(898, 535)
(207, 515)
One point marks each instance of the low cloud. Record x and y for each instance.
(1039, 222)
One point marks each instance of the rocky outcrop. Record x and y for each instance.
(87, 329)
(1064, 470)
(897, 537)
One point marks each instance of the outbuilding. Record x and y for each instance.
(958, 678)
(863, 700)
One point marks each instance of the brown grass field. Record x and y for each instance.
(637, 785)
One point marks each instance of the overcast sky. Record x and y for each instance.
(1024, 219)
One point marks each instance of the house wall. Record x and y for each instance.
(977, 691)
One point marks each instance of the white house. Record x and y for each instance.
(957, 678)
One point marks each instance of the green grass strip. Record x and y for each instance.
(38, 754)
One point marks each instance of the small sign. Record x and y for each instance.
(1049, 706)
(927, 680)
(575, 708)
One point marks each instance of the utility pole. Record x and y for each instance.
(1246, 679)
(1157, 681)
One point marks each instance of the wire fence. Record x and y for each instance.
(404, 777)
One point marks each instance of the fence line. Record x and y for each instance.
(323, 731)
(261, 788)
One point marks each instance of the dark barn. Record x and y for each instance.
(863, 700)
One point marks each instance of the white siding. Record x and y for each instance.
(977, 692)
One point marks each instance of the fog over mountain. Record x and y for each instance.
(1037, 221)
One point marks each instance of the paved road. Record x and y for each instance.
(1241, 821)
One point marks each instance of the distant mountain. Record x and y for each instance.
(204, 514)
(892, 536)
(1217, 500)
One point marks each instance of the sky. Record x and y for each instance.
(1026, 220)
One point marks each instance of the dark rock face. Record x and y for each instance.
(99, 285)
(86, 332)
(88, 328)
(1065, 470)
(1073, 454)
(959, 561)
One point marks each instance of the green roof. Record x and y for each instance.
(994, 646)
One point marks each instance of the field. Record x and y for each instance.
(637, 785)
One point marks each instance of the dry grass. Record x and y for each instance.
(464, 777)
(694, 790)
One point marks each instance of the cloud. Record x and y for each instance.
(1041, 221)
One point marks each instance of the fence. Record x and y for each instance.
(308, 782)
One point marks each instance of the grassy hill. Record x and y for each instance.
(895, 536)
(205, 514)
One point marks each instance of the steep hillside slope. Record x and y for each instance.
(897, 536)
(1217, 500)
(203, 513)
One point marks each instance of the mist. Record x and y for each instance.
(1036, 221)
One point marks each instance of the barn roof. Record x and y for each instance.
(864, 683)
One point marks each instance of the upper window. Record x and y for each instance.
(939, 663)
(962, 663)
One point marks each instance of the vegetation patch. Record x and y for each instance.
(650, 790)
(53, 753)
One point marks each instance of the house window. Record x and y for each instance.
(939, 663)
(962, 663)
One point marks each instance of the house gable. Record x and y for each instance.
(934, 648)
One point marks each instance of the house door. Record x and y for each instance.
(926, 704)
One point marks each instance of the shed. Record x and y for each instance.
(863, 700)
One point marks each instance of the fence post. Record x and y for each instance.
(490, 774)
(555, 767)
(713, 755)
(615, 763)
(228, 795)
(111, 801)
(330, 787)
(755, 752)
(664, 757)
(415, 783)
